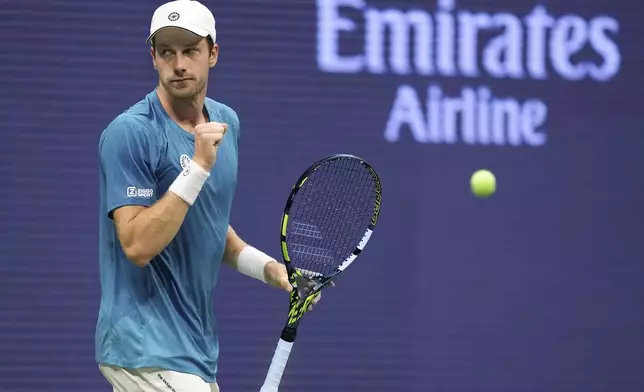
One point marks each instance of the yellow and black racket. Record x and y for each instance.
(328, 219)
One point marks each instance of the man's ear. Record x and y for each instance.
(154, 62)
(214, 55)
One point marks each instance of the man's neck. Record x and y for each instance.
(188, 113)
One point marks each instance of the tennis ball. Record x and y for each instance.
(483, 183)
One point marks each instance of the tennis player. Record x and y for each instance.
(167, 182)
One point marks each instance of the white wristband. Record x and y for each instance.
(189, 182)
(251, 262)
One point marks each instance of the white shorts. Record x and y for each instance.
(154, 380)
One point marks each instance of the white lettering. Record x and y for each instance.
(406, 111)
(445, 37)
(538, 22)
(518, 124)
(449, 42)
(400, 24)
(469, 26)
(502, 56)
(330, 24)
(483, 116)
(144, 193)
(473, 118)
(133, 191)
(505, 122)
(605, 47)
(569, 35)
(463, 108)
(533, 116)
(434, 121)
(468, 116)
(451, 107)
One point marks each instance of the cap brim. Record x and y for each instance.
(193, 31)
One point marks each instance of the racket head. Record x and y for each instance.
(328, 219)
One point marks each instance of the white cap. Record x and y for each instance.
(186, 14)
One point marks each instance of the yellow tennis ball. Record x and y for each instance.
(483, 183)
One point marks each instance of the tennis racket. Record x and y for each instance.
(329, 217)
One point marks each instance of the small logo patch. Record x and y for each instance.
(173, 16)
(133, 191)
(184, 160)
(167, 384)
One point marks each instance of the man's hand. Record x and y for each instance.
(276, 276)
(207, 139)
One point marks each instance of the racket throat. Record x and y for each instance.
(306, 286)
(289, 334)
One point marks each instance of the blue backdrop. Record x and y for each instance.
(538, 288)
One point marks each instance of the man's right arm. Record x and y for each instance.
(145, 231)
(144, 224)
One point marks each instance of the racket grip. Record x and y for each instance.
(278, 363)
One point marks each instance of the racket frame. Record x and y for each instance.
(299, 300)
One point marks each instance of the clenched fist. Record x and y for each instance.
(207, 139)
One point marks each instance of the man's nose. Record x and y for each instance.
(180, 64)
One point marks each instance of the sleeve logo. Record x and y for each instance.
(133, 191)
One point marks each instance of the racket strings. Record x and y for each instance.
(355, 219)
(329, 215)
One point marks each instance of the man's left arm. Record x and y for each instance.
(252, 262)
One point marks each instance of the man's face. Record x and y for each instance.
(183, 60)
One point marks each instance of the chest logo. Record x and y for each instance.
(184, 160)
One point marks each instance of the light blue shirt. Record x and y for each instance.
(161, 315)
